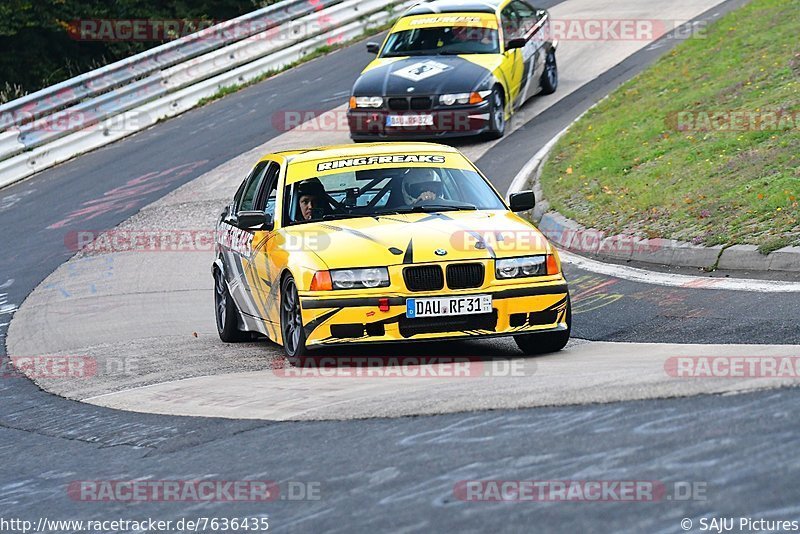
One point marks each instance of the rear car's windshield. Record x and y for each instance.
(443, 40)
(387, 191)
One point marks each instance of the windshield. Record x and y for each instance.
(388, 191)
(442, 40)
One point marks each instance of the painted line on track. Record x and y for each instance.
(678, 280)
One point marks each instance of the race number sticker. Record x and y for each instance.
(423, 70)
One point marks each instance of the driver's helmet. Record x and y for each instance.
(417, 180)
(311, 187)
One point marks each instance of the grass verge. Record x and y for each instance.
(663, 156)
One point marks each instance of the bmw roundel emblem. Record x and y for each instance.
(440, 252)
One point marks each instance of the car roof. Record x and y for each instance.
(360, 150)
(456, 6)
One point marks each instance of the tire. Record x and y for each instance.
(225, 312)
(292, 333)
(545, 342)
(549, 80)
(497, 116)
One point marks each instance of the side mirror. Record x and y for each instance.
(254, 220)
(522, 201)
(513, 44)
(373, 48)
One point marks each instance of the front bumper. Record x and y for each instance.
(457, 122)
(516, 309)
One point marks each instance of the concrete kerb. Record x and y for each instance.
(572, 236)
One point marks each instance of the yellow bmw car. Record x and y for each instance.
(393, 242)
(454, 68)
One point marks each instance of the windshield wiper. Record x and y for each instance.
(403, 53)
(428, 208)
(336, 216)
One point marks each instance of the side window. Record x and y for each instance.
(248, 197)
(269, 191)
(237, 198)
(511, 23)
(527, 17)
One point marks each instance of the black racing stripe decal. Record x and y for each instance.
(272, 301)
(431, 217)
(313, 325)
(409, 256)
(530, 292)
(361, 235)
(560, 304)
(354, 302)
(385, 218)
(479, 239)
(240, 282)
(390, 320)
(473, 233)
(351, 231)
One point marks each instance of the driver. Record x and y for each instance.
(467, 34)
(421, 184)
(310, 199)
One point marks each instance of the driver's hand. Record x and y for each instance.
(426, 195)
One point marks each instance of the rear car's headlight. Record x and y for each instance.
(365, 102)
(463, 98)
(526, 266)
(360, 278)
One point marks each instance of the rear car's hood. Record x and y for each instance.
(424, 75)
(420, 238)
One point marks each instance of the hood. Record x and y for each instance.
(427, 75)
(415, 238)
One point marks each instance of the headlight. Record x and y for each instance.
(360, 278)
(366, 102)
(524, 267)
(458, 98)
(463, 98)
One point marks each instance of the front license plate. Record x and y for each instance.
(409, 120)
(444, 306)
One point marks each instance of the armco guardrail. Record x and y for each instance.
(141, 103)
(138, 92)
(59, 96)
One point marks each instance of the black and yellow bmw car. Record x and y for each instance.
(454, 68)
(382, 243)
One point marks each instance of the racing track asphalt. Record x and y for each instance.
(379, 472)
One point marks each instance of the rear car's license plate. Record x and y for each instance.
(444, 306)
(409, 120)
